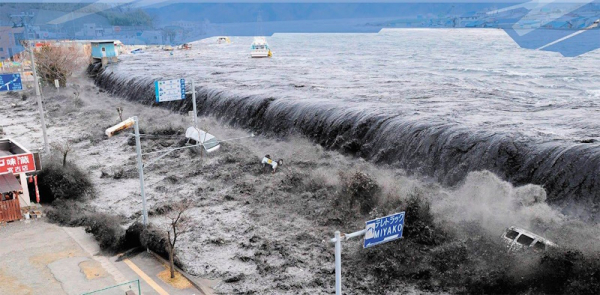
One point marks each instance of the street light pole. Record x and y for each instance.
(38, 95)
(138, 149)
(337, 240)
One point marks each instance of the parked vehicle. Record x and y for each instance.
(518, 238)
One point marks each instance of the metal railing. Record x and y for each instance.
(108, 289)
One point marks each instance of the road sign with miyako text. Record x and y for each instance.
(384, 229)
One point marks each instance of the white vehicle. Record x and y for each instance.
(518, 238)
(271, 163)
(197, 136)
(260, 48)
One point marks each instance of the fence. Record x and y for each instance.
(127, 288)
(10, 210)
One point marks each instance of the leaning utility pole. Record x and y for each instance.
(38, 95)
(24, 17)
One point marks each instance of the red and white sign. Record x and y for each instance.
(17, 164)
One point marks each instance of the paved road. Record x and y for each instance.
(42, 258)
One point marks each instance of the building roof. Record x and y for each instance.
(9, 147)
(103, 41)
(9, 183)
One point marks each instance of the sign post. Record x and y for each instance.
(194, 104)
(338, 263)
(377, 231)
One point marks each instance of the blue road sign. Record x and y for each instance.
(384, 229)
(10, 82)
(169, 90)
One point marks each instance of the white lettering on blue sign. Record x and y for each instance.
(384, 229)
(10, 82)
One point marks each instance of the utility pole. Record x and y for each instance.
(24, 17)
(38, 95)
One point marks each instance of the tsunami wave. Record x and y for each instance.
(445, 151)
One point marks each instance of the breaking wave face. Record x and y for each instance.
(554, 150)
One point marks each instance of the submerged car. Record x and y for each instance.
(517, 238)
(201, 137)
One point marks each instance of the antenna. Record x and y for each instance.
(259, 26)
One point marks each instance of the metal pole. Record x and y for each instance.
(194, 103)
(39, 98)
(338, 263)
(138, 149)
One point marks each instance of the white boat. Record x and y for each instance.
(207, 140)
(223, 40)
(260, 48)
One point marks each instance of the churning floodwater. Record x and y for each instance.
(437, 102)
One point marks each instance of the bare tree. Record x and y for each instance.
(64, 148)
(177, 225)
(120, 111)
(77, 101)
(58, 62)
(76, 90)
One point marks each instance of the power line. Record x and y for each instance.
(196, 145)
(157, 135)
